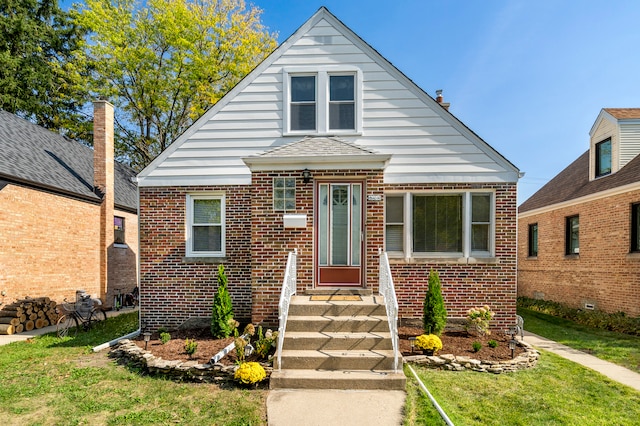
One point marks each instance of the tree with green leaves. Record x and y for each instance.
(40, 49)
(435, 314)
(222, 322)
(163, 63)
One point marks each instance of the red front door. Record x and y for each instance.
(338, 224)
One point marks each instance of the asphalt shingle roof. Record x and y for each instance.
(318, 146)
(33, 155)
(573, 182)
(624, 113)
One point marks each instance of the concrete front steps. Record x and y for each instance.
(338, 344)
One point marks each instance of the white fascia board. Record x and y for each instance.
(334, 162)
(587, 198)
(602, 116)
(427, 178)
(244, 179)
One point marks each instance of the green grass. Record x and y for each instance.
(555, 392)
(55, 381)
(621, 349)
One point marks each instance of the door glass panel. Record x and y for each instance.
(323, 218)
(339, 225)
(356, 231)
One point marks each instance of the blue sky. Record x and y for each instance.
(529, 77)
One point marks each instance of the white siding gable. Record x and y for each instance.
(427, 144)
(625, 140)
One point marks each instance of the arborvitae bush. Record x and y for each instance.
(222, 322)
(435, 314)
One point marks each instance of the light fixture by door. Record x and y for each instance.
(306, 176)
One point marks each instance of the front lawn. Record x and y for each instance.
(55, 381)
(621, 349)
(556, 392)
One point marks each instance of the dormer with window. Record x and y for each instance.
(615, 140)
(326, 101)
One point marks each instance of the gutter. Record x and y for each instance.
(115, 341)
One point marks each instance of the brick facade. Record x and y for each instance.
(51, 246)
(123, 259)
(604, 274)
(175, 289)
(465, 285)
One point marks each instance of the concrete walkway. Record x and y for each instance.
(612, 371)
(302, 407)
(26, 335)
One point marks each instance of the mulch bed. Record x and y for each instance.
(456, 343)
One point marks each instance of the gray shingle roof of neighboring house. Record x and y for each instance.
(34, 156)
(573, 182)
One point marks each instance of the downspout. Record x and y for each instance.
(136, 333)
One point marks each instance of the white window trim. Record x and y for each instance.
(322, 99)
(466, 253)
(189, 225)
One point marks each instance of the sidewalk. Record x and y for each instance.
(26, 335)
(295, 407)
(612, 371)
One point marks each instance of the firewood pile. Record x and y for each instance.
(27, 314)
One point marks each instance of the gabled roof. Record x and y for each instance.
(624, 113)
(34, 156)
(573, 182)
(205, 154)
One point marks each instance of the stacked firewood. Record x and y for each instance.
(27, 314)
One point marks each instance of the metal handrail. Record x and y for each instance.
(387, 290)
(288, 290)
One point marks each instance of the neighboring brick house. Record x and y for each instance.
(66, 224)
(326, 148)
(579, 235)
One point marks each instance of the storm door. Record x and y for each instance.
(339, 234)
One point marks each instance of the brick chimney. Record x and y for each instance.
(440, 100)
(103, 182)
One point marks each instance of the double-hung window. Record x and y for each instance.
(303, 102)
(572, 235)
(342, 105)
(533, 240)
(441, 224)
(322, 102)
(635, 227)
(603, 158)
(205, 225)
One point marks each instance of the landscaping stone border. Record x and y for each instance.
(525, 360)
(127, 352)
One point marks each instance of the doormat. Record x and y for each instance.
(335, 298)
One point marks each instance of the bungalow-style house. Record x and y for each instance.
(328, 149)
(69, 213)
(579, 235)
